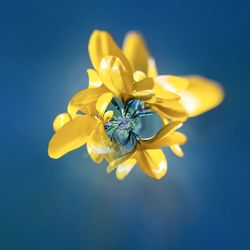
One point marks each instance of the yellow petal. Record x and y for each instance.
(144, 95)
(165, 97)
(89, 109)
(115, 76)
(201, 95)
(170, 83)
(152, 162)
(167, 141)
(177, 150)
(94, 79)
(85, 99)
(60, 120)
(97, 158)
(165, 137)
(101, 44)
(152, 69)
(110, 157)
(107, 116)
(72, 135)
(116, 162)
(136, 51)
(124, 168)
(172, 109)
(139, 75)
(168, 129)
(99, 141)
(145, 84)
(103, 102)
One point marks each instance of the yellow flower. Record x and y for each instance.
(123, 87)
(113, 73)
(73, 131)
(197, 93)
(148, 154)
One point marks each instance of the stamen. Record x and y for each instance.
(124, 126)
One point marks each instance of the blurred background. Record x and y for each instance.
(71, 203)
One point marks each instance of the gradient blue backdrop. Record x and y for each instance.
(202, 203)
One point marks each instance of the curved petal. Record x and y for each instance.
(145, 84)
(72, 135)
(170, 83)
(201, 95)
(152, 69)
(99, 141)
(124, 168)
(139, 75)
(60, 120)
(89, 109)
(164, 97)
(103, 102)
(116, 162)
(165, 137)
(152, 162)
(168, 129)
(97, 158)
(173, 110)
(84, 99)
(94, 79)
(136, 51)
(144, 95)
(108, 116)
(115, 76)
(175, 138)
(101, 44)
(177, 150)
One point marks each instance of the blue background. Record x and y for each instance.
(70, 203)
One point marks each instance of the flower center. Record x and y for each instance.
(124, 127)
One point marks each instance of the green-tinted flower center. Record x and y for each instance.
(125, 126)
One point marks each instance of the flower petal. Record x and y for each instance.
(175, 138)
(124, 168)
(99, 141)
(72, 135)
(136, 51)
(89, 109)
(144, 95)
(172, 109)
(97, 158)
(152, 162)
(165, 137)
(94, 79)
(101, 44)
(164, 97)
(107, 116)
(168, 129)
(177, 150)
(85, 99)
(103, 102)
(145, 84)
(115, 76)
(152, 69)
(139, 75)
(60, 120)
(170, 83)
(116, 162)
(201, 95)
